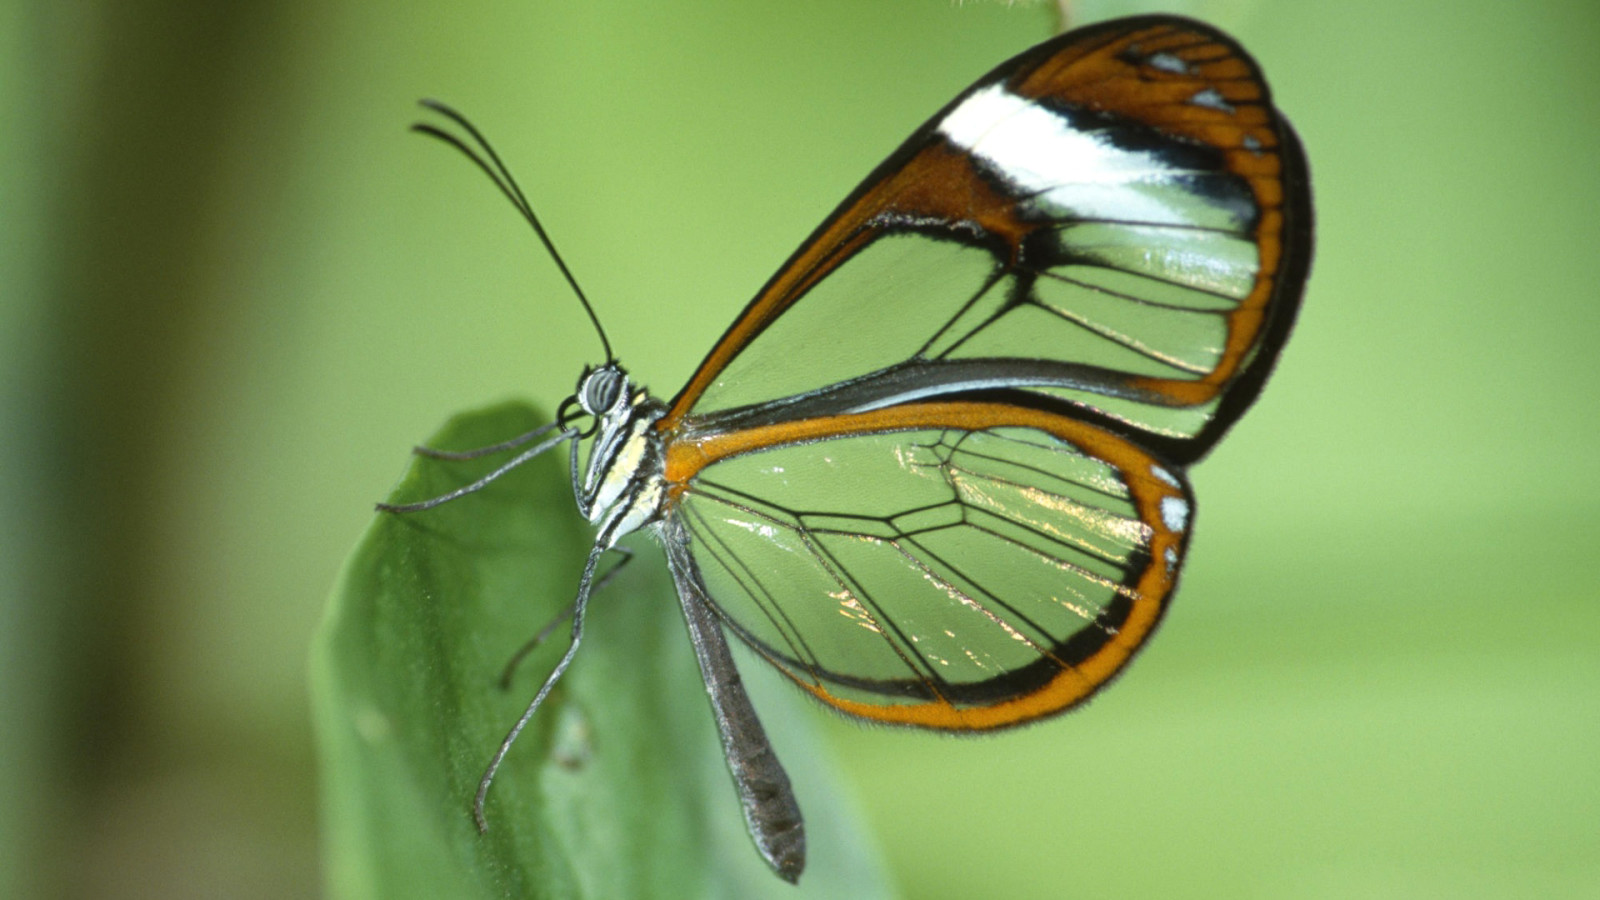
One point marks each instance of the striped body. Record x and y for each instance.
(623, 489)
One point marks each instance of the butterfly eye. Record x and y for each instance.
(601, 389)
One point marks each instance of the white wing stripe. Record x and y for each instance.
(1072, 169)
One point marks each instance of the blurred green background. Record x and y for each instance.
(233, 291)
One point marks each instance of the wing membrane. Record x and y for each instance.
(1118, 218)
(953, 565)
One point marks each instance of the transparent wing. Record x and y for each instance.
(956, 565)
(1118, 218)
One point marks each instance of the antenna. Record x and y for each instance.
(501, 176)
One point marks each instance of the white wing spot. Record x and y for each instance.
(1166, 62)
(1211, 98)
(1174, 512)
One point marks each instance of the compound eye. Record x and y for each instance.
(600, 391)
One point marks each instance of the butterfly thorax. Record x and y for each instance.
(623, 487)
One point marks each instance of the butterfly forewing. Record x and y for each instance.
(952, 565)
(1118, 218)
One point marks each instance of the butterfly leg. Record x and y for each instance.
(550, 627)
(578, 607)
(481, 483)
(512, 444)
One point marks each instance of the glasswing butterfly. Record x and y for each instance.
(934, 471)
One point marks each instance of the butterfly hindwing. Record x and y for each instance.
(951, 565)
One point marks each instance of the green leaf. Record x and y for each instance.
(616, 789)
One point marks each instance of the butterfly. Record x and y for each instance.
(934, 473)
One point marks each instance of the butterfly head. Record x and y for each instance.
(602, 394)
